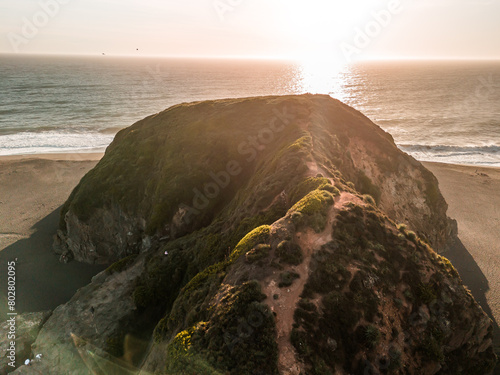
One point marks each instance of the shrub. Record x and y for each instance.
(239, 337)
(310, 184)
(426, 293)
(366, 186)
(398, 302)
(259, 252)
(258, 235)
(371, 336)
(182, 360)
(411, 236)
(432, 194)
(122, 264)
(313, 202)
(142, 295)
(408, 295)
(287, 278)
(395, 359)
(289, 253)
(369, 199)
(313, 209)
(431, 349)
(327, 273)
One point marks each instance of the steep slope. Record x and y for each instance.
(174, 172)
(260, 236)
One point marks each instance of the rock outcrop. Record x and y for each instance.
(159, 178)
(92, 327)
(262, 236)
(22, 330)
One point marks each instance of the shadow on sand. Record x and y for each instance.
(474, 279)
(42, 282)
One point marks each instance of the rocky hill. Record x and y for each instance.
(261, 236)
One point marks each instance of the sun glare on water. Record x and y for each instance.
(317, 28)
(322, 77)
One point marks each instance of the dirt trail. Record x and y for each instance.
(285, 304)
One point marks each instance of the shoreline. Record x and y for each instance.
(97, 155)
(37, 185)
(73, 156)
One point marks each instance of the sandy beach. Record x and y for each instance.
(33, 188)
(473, 196)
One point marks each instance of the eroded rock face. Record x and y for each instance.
(27, 327)
(110, 236)
(409, 194)
(82, 333)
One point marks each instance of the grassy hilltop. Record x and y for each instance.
(271, 235)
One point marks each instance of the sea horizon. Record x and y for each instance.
(436, 110)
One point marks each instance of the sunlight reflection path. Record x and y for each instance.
(324, 77)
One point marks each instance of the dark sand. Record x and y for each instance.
(473, 196)
(32, 191)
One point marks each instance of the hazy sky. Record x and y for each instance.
(313, 29)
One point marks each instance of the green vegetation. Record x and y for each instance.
(154, 166)
(327, 273)
(426, 293)
(310, 184)
(114, 345)
(313, 209)
(237, 337)
(411, 236)
(287, 278)
(205, 296)
(122, 264)
(369, 199)
(259, 252)
(371, 335)
(364, 240)
(447, 266)
(366, 186)
(431, 349)
(253, 238)
(289, 253)
(313, 202)
(432, 194)
(240, 335)
(182, 359)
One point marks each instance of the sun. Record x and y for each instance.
(315, 28)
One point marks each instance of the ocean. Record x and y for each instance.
(436, 111)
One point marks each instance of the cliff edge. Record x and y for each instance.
(266, 235)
